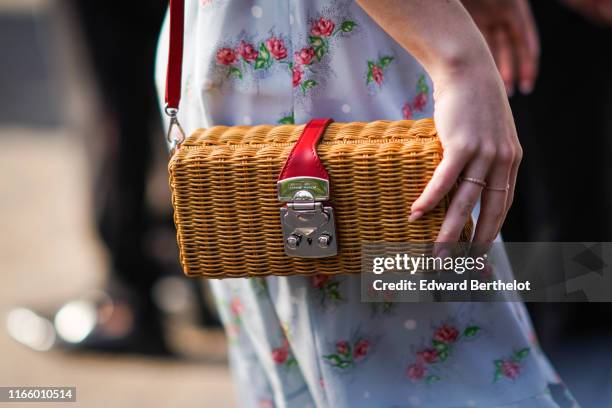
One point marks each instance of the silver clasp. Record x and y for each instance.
(309, 228)
(176, 134)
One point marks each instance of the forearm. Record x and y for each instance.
(440, 34)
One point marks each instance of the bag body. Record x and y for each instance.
(226, 207)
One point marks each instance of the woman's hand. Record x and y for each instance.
(510, 30)
(476, 128)
(472, 114)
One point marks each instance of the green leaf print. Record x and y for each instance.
(234, 71)
(306, 85)
(422, 85)
(432, 378)
(338, 361)
(370, 76)
(471, 331)
(347, 26)
(385, 61)
(333, 358)
(345, 364)
(320, 46)
(315, 41)
(443, 355)
(263, 58)
(522, 353)
(440, 346)
(320, 52)
(498, 363)
(287, 120)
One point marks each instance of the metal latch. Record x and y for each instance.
(309, 228)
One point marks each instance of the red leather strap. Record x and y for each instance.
(175, 53)
(303, 160)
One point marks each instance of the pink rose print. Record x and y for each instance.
(236, 307)
(318, 281)
(420, 101)
(407, 111)
(510, 367)
(377, 74)
(297, 76)
(375, 70)
(343, 358)
(226, 56)
(247, 51)
(361, 349)
(304, 56)
(280, 354)
(446, 334)
(327, 287)
(429, 355)
(276, 46)
(232, 327)
(429, 360)
(342, 347)
(416, 371)
(323, 27)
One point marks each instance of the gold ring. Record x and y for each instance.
(481, 183)
(504, 189)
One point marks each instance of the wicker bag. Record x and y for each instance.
(341, 185)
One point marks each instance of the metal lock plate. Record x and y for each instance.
(309, 228)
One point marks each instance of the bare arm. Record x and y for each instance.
(472, 114)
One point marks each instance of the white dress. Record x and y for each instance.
(297, 341)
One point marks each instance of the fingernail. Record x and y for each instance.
(510, 90)
(526, 87)
(415, 215)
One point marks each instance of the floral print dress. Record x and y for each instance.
(310, 341)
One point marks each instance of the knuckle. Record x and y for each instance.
(488, 152)
(505, 156)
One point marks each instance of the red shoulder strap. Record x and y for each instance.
(175, 54)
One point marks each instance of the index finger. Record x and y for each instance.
(441, 183)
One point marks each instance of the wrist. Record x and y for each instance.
(473, 66)
(459, 62)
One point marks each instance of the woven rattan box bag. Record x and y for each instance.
(294, 199)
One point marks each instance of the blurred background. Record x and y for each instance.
(91, 293)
